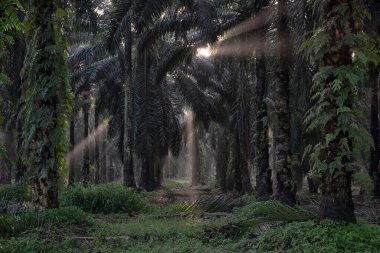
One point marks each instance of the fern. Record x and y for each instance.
(10, 25)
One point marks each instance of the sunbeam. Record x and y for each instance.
(205, 51)
(260, 20)
(98, 132)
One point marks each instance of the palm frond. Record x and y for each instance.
(86, 54)
(205, 106)
(171, 59)
(113, 37)
(206, 15)
(149, 10)
(163, 28)
(96, 72)
(212, 204)
(118, 16)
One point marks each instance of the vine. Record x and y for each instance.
(46, 102)
(343, 56)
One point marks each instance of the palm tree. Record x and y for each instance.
(144, 14)
(285, 185)
(334, 92)
(375, 151)
(45, 99)
(13, 50)
(263, 171)
(373, 28)
(222, 154)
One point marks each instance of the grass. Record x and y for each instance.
(260, 227)
(325, 236)
(104, 198)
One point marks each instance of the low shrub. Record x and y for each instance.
(324, 236)
(28, 244)
(104, 198)
(366, 184)
(14, 193)
(13, 224)
(273, 210)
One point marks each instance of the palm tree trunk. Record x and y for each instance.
(313, 185)
(263, 171)
(111, 169)
(300, 86)
(285, 185)
(375, 151)
(222, 154)
(72, 146)
(86, 152)
(97, 149)
(148, 169)
(50, 78)
(337, 200)
(375, 155)
(104, 158)
(19, 51)
(128, 172)
(20, 167)
(9, 144)
(194, 158)
(236, 158)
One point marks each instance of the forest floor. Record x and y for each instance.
(184, 219)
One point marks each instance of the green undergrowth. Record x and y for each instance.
(265, 213)
(174, 185)
(104, 198)
(257, 227)
(152, 228)
(14, 193)
(325, 236)
(14, 224)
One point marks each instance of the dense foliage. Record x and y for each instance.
(104, 103)
(325, 236)
(14, 224)
(104, 198)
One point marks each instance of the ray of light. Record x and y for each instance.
(78, 149)
(204, 51)
(238, 49)
(190, 144)
(237, 41)
(258, 21)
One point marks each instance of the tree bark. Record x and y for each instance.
(128, 172)
(97, 148)
(104, 158)
(195, 168)
(236, 158)
(147, 173)
(375, 151)
(20, 167)
(71, 179)
(111, 169)
(313, 185)
(263, 171)
(222, 154)
(300, 86)
(337, 200)
(49, 64)
(285, 185)
(86, 152)
(242, 132)
(6, 175)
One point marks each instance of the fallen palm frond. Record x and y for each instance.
(213, 204)
(258, 217)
